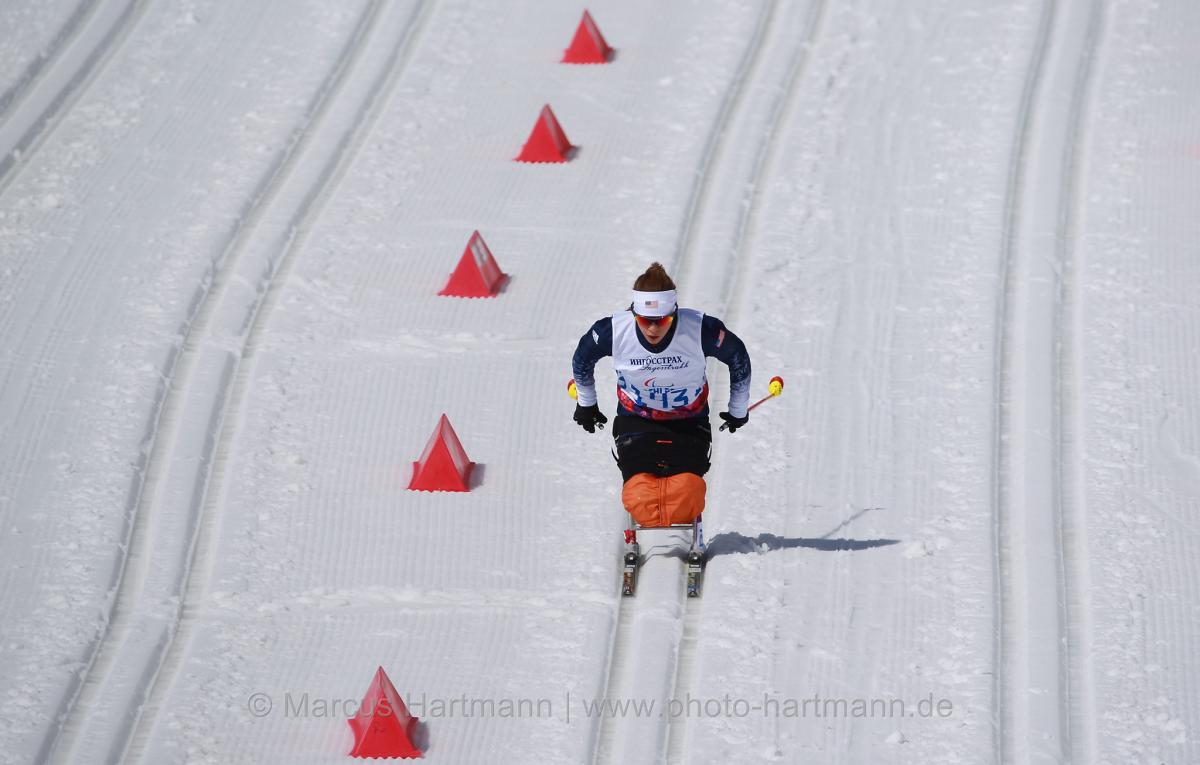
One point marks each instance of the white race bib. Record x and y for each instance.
(667, 385)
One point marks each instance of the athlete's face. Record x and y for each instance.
(654, 329)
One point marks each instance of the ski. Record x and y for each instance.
(695, 560)
(630, 564)
(695, 573)
(694, 568)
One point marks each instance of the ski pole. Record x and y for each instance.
(775, 387)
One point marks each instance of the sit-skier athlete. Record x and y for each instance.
(661, 432)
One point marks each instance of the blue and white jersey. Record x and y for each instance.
(666, 384)
(666, 380)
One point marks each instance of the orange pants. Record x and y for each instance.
(654, 501)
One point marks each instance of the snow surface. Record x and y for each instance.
(963, 232)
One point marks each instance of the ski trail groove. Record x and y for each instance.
(128, 591)
(615, 738)
(1044, 696)
(138, 635)
(44, 93)
(1002, 601)
(714, 146)
(684, 680)
(732, 284)
(619, 648)
(1076, 575)
(29, 111)
(386, 58)
(68, 31)
(708, 200)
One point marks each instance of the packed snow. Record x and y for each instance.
(963, 232)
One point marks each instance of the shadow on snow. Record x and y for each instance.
(733, 543)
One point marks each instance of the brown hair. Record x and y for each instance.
(654, 280)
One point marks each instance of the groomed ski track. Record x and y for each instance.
(33, 101)
(1045, 699)
(150, 616)
(710, 260)
(963, 233)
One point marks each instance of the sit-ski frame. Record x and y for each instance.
(695, 556)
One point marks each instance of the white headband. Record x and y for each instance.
(654, 304)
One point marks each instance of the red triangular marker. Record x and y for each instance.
(546, 143)
(383, 727)
(477, 273)
(443, 465)
(589, 46)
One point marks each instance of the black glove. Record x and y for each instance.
(589, 417)
(733, 423)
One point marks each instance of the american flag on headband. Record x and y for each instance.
(650, 303)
